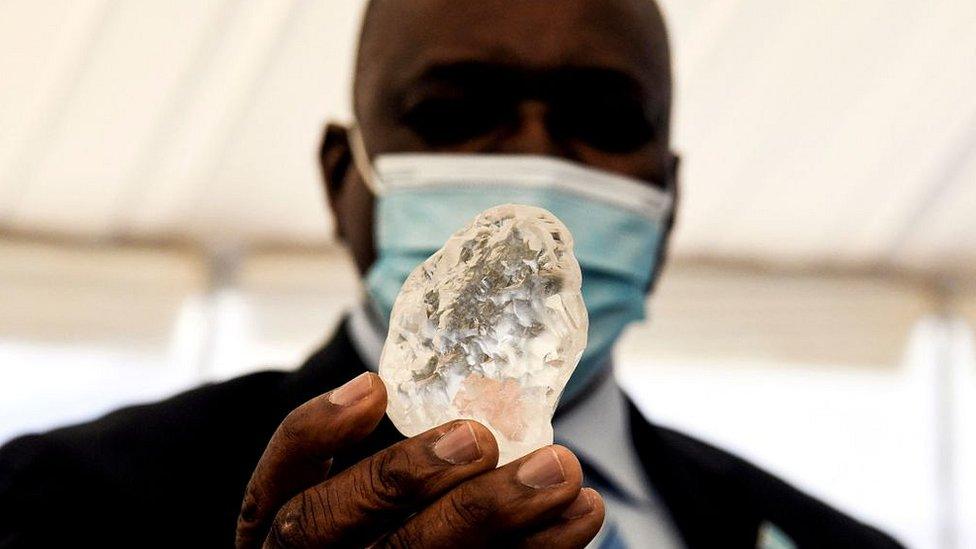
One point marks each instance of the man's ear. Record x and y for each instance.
(335, 160)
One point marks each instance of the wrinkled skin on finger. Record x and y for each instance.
(360, 504)
(536, 499)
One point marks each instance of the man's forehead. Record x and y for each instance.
(402, 37)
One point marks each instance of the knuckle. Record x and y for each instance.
(393, 477)
(466, 508)
(292, 429)
(289, 529)
(249, 506)
(251, 519)
(248, 521)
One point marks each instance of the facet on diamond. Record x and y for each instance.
(489, 328)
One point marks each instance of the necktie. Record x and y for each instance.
(593, 476)
(609, 537)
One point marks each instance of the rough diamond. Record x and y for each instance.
(489, 328)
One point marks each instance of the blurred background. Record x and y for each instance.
(162, 225)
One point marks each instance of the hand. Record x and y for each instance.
(438, 489)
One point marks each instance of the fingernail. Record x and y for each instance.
(581, 506)
(541, 470)
(353, 391)
(459, 445)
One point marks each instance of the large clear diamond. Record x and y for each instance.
(489, 328)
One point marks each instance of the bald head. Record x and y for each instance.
(620, 34)
(642, 16)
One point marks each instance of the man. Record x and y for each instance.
(581, 88)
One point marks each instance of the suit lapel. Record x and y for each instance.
(697, 491)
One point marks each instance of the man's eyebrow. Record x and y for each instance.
(619, 79)
(460, 72)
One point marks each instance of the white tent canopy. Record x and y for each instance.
(827, 133)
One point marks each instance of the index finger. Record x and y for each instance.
(301, 449)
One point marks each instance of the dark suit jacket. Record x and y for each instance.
(172, 474)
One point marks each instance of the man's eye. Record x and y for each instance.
(609, 124)
(444, 122)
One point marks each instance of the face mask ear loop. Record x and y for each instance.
(361, 160)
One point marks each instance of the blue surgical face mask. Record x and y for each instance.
(617, 225)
